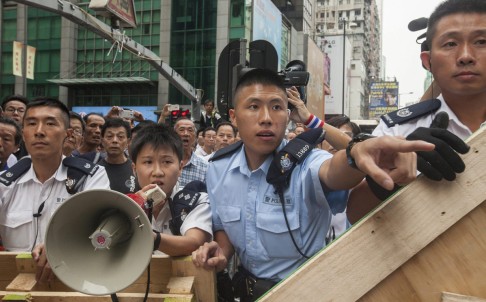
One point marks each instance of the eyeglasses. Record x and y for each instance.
(12, 110)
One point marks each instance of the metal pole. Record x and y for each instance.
(344, 58)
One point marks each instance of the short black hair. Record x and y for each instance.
(451, 7)
(15, 97)
(52, 103)
(209, 101)
(115, 123)
(18, 131)
(86, 117)
(141, 124)
(339, 121)
(157, 136)
(260, 76)
(208, 129)
(76, 116)
(227, 124)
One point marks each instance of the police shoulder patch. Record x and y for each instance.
(409, 113)
(82, 165)
(226, 151)
(15, 171)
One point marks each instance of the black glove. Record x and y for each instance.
(443, 161)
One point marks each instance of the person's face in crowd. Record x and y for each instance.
(200, 139)
(291, 135)
(238, 137)
(73, 141)
(15, 110)
(159, 166)
(299, 130)
(187, 132)
(208, 107)
(347, 129)
(115, 141)
(327, 147)
(7, 141)
(390, 99)
(261, 117)
(224, 137)
(44, 132)
(458, 54)
(210, 139)
(92, 135)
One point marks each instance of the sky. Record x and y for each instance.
(399, 47)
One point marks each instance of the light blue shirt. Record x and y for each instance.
(248, 209)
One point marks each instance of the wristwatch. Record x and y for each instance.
(356, 139)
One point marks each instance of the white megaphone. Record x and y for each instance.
(98, 242)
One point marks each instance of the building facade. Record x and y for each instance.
(86, 71)
(360, 22)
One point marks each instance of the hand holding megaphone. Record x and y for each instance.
(44, 272)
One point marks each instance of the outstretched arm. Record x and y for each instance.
(388, 160)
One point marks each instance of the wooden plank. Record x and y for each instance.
(204, 283)
(450, 297)
(394, 232)
(78, 297)
(181, 285)
(23, 282)
(8, 268)
(453, 262)
(24, 263)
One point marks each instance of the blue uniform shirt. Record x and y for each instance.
(248, 209)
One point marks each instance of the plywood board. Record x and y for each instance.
(396, 231)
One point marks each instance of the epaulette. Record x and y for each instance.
(183, 203)
(411, 112)
(14, 172)
(221, 153)
(291, 155)
(78, 170)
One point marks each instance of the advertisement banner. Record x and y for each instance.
(30, 62)
(17, 59)
(383, 98)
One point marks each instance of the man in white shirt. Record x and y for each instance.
(31, 190)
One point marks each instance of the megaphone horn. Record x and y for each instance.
(98, 242)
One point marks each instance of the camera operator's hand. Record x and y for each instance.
(443, 161)
(300, 113)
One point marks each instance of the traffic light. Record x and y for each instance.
(176, 114)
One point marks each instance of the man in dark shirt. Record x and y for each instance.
(115, 135)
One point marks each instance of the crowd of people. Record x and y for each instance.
(266, 195)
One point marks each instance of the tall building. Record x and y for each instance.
(360, 22)
(89, 72)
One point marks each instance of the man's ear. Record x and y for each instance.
(425, 57)
(134, 169)
(232, 117)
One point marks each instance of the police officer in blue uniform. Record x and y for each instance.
(274, 231)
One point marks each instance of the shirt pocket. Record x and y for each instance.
(16, 219)
(274, 234)
(231, 219)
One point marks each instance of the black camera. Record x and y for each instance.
(295, 74)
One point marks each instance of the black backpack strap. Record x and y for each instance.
(291, 155)
(226, 151)
(14, 172)
(183, 203)
(78, 170)
(411, 112)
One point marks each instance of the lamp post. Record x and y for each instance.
(344, 22)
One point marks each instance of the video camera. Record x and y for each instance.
(295, 74)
